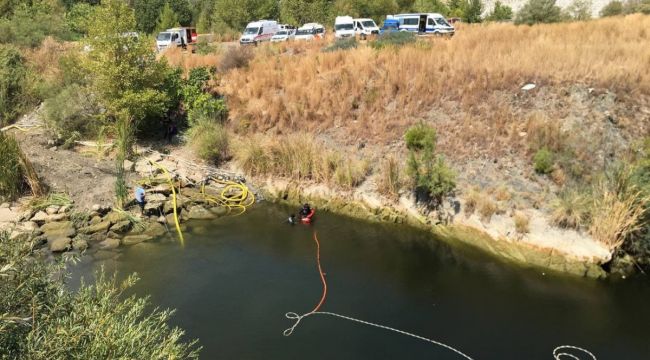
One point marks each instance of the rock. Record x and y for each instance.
(98, 237)
(56, 217)
(113, 235)
(79, 244)
(54, 226)
(109, 244)
(162, 220)
(528, 87)
(51, 210)
(219, 210)
(169, 219)
(55, 230)
(5, 206)
(26, 216)
(101, 227)
(181, 201)
(101, 209)
(129, 165)
(156, 198)
(200, 213)
(135, 239)
(29, 226)
(59, 244)
(116, 217)
(105, 255)
(19, 236)
(161, 189)
(8, 215)
(64, 209)
(152, 207)
(121, 227)
(155, 229)
(95, 220)
(96, 207)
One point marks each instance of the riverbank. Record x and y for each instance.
(558, 250)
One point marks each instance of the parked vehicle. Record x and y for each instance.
(259, 31)
(432, 24)
(284, 35)
(344, 27)
(310, 31)
(390, 25)
(365, 27)
(180, 37)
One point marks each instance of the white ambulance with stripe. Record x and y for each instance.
(259, 31)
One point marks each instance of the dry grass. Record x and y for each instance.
(377, 94)
(390, 180)
(522, 223)
(571, 210)
(300, 157)
(471, 201)
(486, 207)
(186, 60)
(616, 217)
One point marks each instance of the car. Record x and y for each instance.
(365, 27)
(284, 35)
(343, 27)
(310, 31)
(258, 31)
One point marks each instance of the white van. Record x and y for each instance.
(430, 24)
(365, 27)
(259, 31)
(310, 31)
(180, 37)
(343, 27)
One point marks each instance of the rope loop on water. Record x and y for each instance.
(562, 352)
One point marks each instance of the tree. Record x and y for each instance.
(500, 12)
(612, 9)
(539, 11)
(43, 319)
(13, 76)
(456, 8)
(472, 11)
(432, 178)
(128, 80)
(580, 10)
(299, 12)
(78, 16)
(167, 19)
(429, 6)
(236, 14)
(147, 13)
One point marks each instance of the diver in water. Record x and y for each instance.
(292, 219)
(305, 211)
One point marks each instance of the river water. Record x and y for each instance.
(236, 277)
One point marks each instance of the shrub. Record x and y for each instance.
(486, 207)
(393, 39)
(210, 141)
(543, 161)
(350, 173)
(342, 44)
(432, 178)
(522, 223)
(471, 201)
(43, 319)
(539, 11)
(617, 216)
(235, 58)
(13, 74)
(11, 172)
(74, 109)
(500, 12)
(571, 209)
(613, 8)
(31, 22)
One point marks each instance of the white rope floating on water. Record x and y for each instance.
(559, 353)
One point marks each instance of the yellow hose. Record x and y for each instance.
(171, 184)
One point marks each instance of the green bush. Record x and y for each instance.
(13, 75)
(11, 173)
(543, 161)
(342, 44)
(43, 319)
(613, 8)
(539, 11)
(32, 21)
(210, 140)
(432, 178)
(580, 10)
(394, 39)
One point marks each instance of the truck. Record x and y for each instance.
(344, 27)
(259, 31)
(176, 37)
(424, 23)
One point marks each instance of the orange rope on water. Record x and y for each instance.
(322, 276)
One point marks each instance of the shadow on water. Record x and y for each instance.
(236, 277)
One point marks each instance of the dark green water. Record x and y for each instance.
(235, 279)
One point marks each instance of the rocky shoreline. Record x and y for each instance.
(102, 229)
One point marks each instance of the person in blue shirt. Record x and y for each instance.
(139, 198)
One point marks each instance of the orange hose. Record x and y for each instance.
(322, 276)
